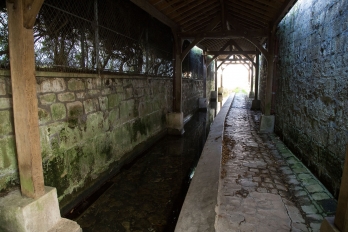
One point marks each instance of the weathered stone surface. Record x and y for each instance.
(44, 116)
(2, 87)
(51, 85)
(312, 86)
(5, 122)
(47, 99)
(90, 105)
(76, 84)
(8, 156)
(66, 97)
(5, 103)
(58, 111)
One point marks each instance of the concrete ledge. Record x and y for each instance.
(65, 225)
(198, 211)
(267, 124)
(328, 225)
(22, 214)
(175, 123)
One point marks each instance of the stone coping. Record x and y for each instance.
(198, 210)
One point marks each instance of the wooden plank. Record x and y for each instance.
(30, 10)
(146, 6)
(195, 12)
(222, 34)
(257, 76)
(342, 205)
(223, 15)
(26, 122)
(192, 8)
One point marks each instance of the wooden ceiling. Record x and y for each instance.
(214, 23)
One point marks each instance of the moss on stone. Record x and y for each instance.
(44, 116)
(5, 122)
(75, 112)
(47, 99)
(8, 153)
(58, 111)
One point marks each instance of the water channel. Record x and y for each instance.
(148, 194)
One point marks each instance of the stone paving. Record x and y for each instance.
(263, 186)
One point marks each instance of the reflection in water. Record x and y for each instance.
(149, 194)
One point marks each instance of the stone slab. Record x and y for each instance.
(267, 124)
(198, 211)
(175, 123)
(19, 213)
(65, 225)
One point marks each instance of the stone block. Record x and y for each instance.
(103, 103)
(2, 87)
(5, 103)
(52, 85)
(47, 99)
(22, 214)
(94, 83)
(66, 97)
(8, 153)
(75, 111)
(127, 110)
(93, 92)
(114, 100)
(81, 95)
(90, 105)
(5, 122)
(175, 123)
(58, 111)
(76, 84)
(44, 116)
(267, 124)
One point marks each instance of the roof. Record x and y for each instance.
(215, 23)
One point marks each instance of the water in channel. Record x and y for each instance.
(149, 193)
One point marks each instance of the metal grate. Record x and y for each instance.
(104, 36)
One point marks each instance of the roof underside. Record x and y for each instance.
(220, 21)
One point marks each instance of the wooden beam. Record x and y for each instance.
(259, 47)
(247, 60)
(221, 49)
(223, 15)
(342, 205)
(25, 109)
(146, 6)
(30, 10)
(286, 7)
(223, 34)
(188, 49)
(244, 53)
(213, 23)
(240, 49)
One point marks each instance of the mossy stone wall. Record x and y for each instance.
(87, 125)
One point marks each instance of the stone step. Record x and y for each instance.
(64, 225)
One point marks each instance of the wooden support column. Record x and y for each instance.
(251, 80)
(216, 81)
(25, 110)
(177, 87)
(270, 68)
(341, 218)
(205, 71)
(257, 74)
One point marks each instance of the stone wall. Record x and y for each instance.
(313, 86)
(89, 125)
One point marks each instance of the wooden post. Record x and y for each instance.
(177, 82)
(25, 110)
(257, 74)
(216, 81)
(270, 67)
(205, 71)
(341, 218)
(251, 77)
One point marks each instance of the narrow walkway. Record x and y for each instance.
(263, 186)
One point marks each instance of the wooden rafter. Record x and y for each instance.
(244, 53)
(285, 8)
(240, 49)
(221, 49)
(146, 6)
(188, 49)
(30, 10)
